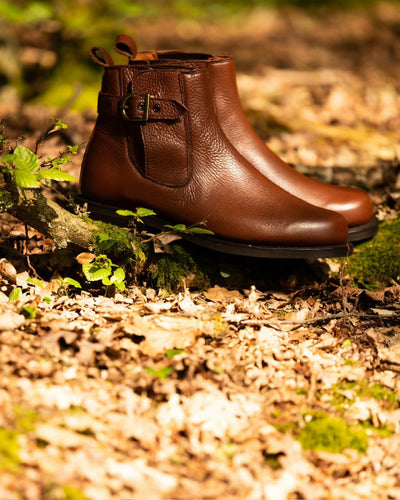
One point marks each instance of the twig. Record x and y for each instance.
(28, 259)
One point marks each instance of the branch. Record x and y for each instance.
(49, 218)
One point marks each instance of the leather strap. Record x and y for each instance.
(140, 107)
(101, 56)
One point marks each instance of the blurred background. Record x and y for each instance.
(319, 80)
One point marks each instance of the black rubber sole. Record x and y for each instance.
(364, 232)
(107, 213)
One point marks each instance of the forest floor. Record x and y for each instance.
(282, 383)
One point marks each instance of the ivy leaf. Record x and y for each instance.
(144, 212)
(56, 175)
(25, 179)
(25, 159)
(199, 230)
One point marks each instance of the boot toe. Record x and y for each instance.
(355, 205)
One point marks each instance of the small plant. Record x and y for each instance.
(101, 268)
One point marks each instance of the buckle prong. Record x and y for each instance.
(124, 108)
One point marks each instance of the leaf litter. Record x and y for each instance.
(212, 394)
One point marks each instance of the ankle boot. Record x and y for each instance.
(354, 204)
(157, 143)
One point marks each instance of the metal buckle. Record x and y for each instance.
(124, 108)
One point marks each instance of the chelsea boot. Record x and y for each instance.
(157, 143)
(355, 205)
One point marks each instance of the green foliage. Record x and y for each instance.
(170, 353)
(26, 170)
(9, 450)
(341, 392)
(140, 212)
(171, 269)
(162, 373)
(182, 228)
(15, 294)
(29, 312)
(378, 261)
(101, 269)
(36, 282)
(71, 493)
(326, 433)
(112, 239)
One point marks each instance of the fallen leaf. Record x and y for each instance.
(11, 320)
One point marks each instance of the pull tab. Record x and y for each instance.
(126, 46)
(101, 56)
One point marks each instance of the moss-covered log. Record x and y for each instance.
(48, 217)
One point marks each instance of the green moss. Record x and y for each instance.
(9, 450)
(111, 239)
(332, 434)
(378, 261)
(170, 271)
(363, 390)
(71, 493)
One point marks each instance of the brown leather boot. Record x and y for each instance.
(157, 143)
(354, 204)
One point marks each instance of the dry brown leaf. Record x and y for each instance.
(8, 271)
(221, 294)
(10, 320)
(85, 258)
(165, 332)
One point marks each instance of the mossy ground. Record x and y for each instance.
(378, 261)
(323, 432)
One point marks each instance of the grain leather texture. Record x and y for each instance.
(354, 204)
(186, 169)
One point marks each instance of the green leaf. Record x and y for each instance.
(48, 300)
(225, 274)
(25, 159)
(178, 227)
(126, 213)
(93, 272)
(56, 175)
(8, 158)
(73, 149)
(119, 274)
(15, 294)
(29, 312)
(170, 353)
(199, 230)
(120, 285)
(72, 282)
(163, 373)
(25, 179)
(36, 282)
(107, 281)
(59, 124)
(144, 212)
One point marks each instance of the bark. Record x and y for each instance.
(49, 218)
